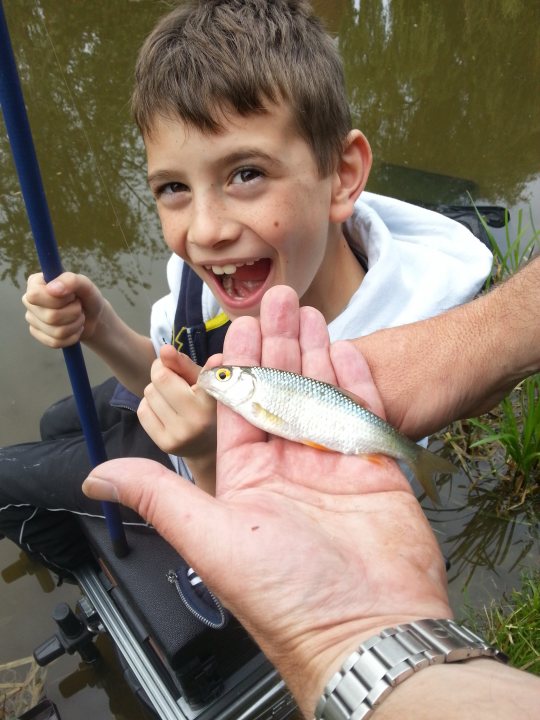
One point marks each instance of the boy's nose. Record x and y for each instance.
(210, 226)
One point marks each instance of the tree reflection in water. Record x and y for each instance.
(439, 87)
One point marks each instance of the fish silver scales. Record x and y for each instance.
(319, 413)
(315, 413)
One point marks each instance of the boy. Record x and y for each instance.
(258, 178)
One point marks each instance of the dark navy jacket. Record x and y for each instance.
(191, 335)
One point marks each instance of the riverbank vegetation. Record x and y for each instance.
(504, 444)
(513, 624)
(499, 453)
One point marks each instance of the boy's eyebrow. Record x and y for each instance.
(161, 176)
(241, 155)
(245, 154)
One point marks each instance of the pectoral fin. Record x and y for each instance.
(267, 419)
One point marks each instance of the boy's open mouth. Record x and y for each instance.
(240, 281)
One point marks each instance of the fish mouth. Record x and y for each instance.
(240, 283)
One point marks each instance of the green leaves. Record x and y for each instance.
(515, 427)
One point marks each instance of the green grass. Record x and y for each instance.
(518, 247)
(508, 438)
(513, 625)
(500, 453)
(514, 426)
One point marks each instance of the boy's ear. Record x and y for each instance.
(350, 176)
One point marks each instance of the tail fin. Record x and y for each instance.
(425, 465)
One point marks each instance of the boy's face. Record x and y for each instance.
(247, 210)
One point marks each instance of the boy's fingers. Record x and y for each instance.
(68, 283)
(164, 500)
(37, 298)
(179, 363)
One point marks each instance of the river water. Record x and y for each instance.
(445, 94)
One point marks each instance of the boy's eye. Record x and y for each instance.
(245, 175)
(170, 189)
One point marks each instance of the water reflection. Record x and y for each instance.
(430, 86)
(76, 69)
(446, 87)
(476, 535)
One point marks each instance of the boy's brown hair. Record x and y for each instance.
(210, 57)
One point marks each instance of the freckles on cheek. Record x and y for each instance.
(171, 244)
(173, 237)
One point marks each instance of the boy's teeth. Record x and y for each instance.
(229, 269)
(224, 269)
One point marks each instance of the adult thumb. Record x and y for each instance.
(181, 513)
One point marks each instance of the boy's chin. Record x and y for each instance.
(249, 311)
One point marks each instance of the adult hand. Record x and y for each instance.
(312, 551)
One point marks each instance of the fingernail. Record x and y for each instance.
(57, 286)
(99, 489)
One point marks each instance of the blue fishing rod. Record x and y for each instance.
(26, 163)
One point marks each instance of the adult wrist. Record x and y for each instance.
(308, 667)
(387, 659)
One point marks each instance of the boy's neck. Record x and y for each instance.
(338, 279)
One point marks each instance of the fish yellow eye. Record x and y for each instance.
(223, 374)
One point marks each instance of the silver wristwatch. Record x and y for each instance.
(385, 660)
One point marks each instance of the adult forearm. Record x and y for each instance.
(128, 354)
(461, 363)
(479, 689)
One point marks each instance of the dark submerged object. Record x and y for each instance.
(44, 710)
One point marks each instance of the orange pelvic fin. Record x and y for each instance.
(375, 459)
(312, 444)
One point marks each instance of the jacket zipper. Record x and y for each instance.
(191, 345)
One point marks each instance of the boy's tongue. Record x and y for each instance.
(247, 279)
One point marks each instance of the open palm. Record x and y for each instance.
(309, 549)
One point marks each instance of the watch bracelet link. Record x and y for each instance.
(385, 660)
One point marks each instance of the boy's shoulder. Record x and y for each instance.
(378, 219)
(419, 263)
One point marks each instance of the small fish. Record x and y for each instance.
(317, 414)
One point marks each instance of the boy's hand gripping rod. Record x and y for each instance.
(24, 155)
